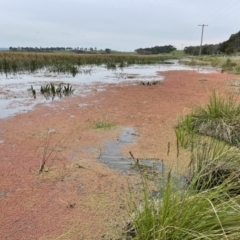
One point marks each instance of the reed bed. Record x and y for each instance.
(13, 63)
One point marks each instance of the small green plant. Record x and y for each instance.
(33, 91)
(67, 91)
(50, 150)
(46, 90)
(73, 70)
(46, 153)
(59, 90)
(51, 90)
(103, 124)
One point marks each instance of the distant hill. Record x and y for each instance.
(232, 45)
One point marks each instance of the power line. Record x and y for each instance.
(200, 50)
(226, 14)
(194, 32)
(221, 10)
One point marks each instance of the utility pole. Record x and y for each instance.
(200, 51)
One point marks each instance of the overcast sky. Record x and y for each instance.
(123, 25)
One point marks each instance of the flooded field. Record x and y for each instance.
(15, 97)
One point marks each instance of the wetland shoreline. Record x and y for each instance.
(76, 197)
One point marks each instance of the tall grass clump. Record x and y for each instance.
(219, 118)
(182, 215)
(206, 208)
(204, 204)
(214, 163)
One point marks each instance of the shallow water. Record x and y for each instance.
(153, 169)
(112, 156)
(14, 97)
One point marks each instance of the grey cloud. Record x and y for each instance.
(119, 24)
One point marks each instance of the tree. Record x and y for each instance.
(108, 50)
(156, 49)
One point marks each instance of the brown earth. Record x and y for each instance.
(75, 197)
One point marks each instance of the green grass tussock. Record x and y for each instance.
(214, 163)
(183, 215)
(205, 206)
(219, 118)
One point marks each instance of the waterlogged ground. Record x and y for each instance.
(77, 196)
(15, 97)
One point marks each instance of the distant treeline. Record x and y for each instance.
(58, 49)
(156, 49)
(232, 45)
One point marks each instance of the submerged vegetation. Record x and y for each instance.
(13, 63)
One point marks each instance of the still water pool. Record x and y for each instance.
(15, 97)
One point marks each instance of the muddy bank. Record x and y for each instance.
(77, 197)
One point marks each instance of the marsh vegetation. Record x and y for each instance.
(51, 90)
(207, 204)
(229, 64)
(13, 63)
